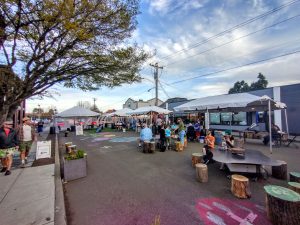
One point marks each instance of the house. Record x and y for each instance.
(133, 104)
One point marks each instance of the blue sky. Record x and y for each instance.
(168, 26)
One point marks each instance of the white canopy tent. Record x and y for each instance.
(121, 112)
(77, 112)
(235, 103)
(149, 109)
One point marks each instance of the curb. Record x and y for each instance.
(60, 210)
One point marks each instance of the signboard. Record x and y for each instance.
(43, 149)
(79, 130)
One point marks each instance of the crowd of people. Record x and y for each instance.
(11, 140)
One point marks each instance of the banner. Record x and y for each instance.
(79, 130)
(43, 149)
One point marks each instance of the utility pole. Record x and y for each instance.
(94, 99)
(156, 67)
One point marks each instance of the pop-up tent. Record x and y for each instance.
(121, 112)
(149, 109)
(77, 112)
(241, 102)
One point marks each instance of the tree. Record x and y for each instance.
(242, 86)
(84, 104)
(76, 43)
(262, 83)
(239, 87)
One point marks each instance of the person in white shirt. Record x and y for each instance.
(26, 135)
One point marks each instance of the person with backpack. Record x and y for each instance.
(8, 144)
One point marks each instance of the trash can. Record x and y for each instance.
(73, 128)
(52, 130)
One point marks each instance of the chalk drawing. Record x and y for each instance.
(224, 211)
(124, 139)
(106, 147)
(100, 139)
(215, 219)
(109, 135)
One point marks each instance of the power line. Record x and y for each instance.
(232, 28)
(229, 42)
(163, 89)
(236, 67)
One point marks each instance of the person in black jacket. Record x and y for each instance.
(8, 144)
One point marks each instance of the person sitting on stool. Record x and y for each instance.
(208, 148)
(145, 135)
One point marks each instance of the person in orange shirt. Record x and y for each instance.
(208, 148)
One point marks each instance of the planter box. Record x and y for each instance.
(75, 169)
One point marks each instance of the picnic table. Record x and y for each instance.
(250, 162)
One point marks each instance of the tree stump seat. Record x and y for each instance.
(67, 144)
(283, 205)
(240, 186)
(295, 186)
(280, 172)
(295, 177)
(201, 172)
(179, 146)
(197, 158)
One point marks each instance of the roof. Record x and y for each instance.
(77, 111)
(148, 109)
(237, 102)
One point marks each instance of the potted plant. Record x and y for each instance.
(75, 165)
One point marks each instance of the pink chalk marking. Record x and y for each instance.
(214, 211)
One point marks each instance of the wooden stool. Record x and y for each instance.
(179, 146)
(280, 172)
(239, 143)
(152, 147)
(146, 146)
(295, 177)
(283, 205)
(238, 151)
(71, 148)
(197, 158)
(240, 186)
(294, 186)
(67, 144)
(201, 172)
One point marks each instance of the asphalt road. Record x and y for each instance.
(127, 187)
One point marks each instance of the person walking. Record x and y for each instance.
(181, 130)
(40, 127)
(168, 136)
(8, 144)
(26, 135)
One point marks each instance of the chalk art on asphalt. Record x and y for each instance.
(100, 139)
(124, 139)
(214, 211)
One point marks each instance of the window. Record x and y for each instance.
(226, 118)
(214, 118)
(240, 118)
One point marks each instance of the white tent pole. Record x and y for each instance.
(207, 120)
(286, 123)
(270, 129)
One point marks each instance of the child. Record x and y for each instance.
(168, 136)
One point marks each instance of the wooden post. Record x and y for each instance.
(280, 172)
(240, 186)
(295, 177)
(283, 205)
(294, 186)
(201, 172)
(197, 158)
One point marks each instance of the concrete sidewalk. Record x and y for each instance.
(27, 196)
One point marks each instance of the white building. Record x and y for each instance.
(133, 104)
